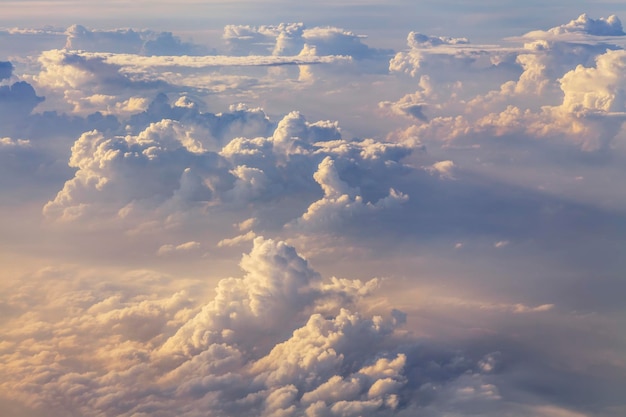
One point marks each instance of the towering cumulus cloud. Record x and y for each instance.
(174, 168)
(278, 341)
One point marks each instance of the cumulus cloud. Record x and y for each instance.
(341, 201)
(108, 82)
(296, 39)
(86, 84)
(102, 163)
(278, 340)
(6, 70)
(291, 38)
(225, 355)
(129, 41)
(191, 166)
(445, 169)
(547, 100)
(417, 40)
(431, 55)
(611, 26)
(17, 101)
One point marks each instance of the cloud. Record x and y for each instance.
(136, 62)
(183, 247)
(176, 169)
(142, 156)
(87, 84)
(237, 240)
(417, 40)
(611, 26)
(129, 41)
(276, 301)
(6, 70)
(432, 55)
(341, 201)
(17, 101)
(297, 40)
(445, 169)
(102, 81)
(279, 339)
(545, 101)
(291, 38)
(103, 162)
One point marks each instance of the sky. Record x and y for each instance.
(272, 208)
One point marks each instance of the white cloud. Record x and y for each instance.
(417, 40)
(144, 42)
(611, 26)
(292, 38)
(237, 240)
(340, 201)
(227, 349)
(183, 247)
(137, 63)
(445, 169)
(102, 183)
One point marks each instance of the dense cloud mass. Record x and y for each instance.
(586, 113)
(172, 168)
(283, 219)
(280, 340)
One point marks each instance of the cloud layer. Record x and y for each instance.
(305, 220)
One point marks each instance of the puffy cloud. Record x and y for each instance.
(276, 301)
(144, 42)
(412, 105)
(275, 341)
(341, 201)
(417, 40)
(291, 38)
(17, 101)
(431, 55)
(6, 70)
(218, 129)
(445, 169)
(591, 112)
(171, 169)
(568, 90)
(252, 40)
(611, 26)
(295, 39)
(106, 82)
(103, 165)
(597, 89)
(337, 41)
(87, 84)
